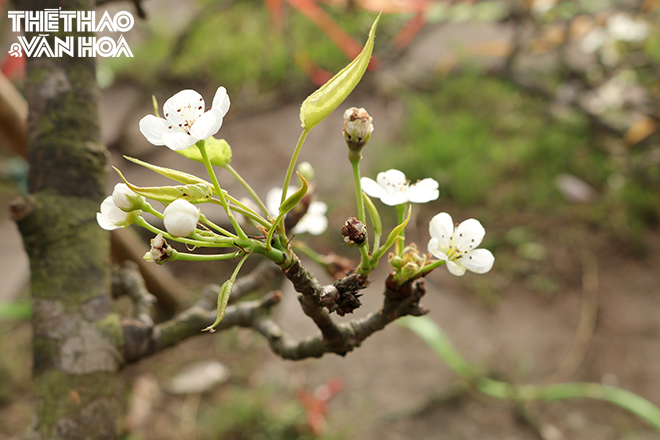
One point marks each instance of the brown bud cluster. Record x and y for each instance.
(357, 128)
(354, 232)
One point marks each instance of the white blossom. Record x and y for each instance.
(623, 27)
(186, 120)
(111, 217)
(125, 198)
(457, 245)
(180, 218)
(314, 221)
(392, 188)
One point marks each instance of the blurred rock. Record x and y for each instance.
(575, 190)
(199, 378)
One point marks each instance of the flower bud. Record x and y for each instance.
(306, 170)
(160, 251)
(125, 199)
(354, 232)
(180, 218)
(357, 128)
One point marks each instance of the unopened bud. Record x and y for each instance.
(357, 128)
(180, 218)
(354, 232)
(125, 199)
(306, 170)
(160, 251)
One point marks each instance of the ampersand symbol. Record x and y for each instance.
(15, 50)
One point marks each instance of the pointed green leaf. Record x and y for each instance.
(194, 192)
(178, 176)
(323, 101)
(218, 150)
(295, 198)
(223, 300)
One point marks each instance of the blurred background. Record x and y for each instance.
(539, 118)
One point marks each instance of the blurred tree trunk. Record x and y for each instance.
(75, 364)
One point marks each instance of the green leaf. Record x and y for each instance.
(323, 101)
(223, 300)
(194, 192)
(373, 214)
(295, 198)
(178, 176)
(218, 150)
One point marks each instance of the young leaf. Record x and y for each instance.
(223, 300)
(178, 176)
(194, 192)
(323, 101)
(218, 150)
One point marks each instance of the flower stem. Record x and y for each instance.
(223, 231)
(209, 168)
(203, 257)
(248, 188)
(292, 163)
(365, 262)
(400, 241)
(199, 241)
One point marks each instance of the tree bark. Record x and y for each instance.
(75, 362)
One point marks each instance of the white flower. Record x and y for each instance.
(392, 188)
(111, 217)
(623, 27)
(180, 218)
(314, 221)
(125, 199)
(186, 121)
(457, 245)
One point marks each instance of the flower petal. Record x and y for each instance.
(207, 125)
(153, 128)
(468, 235)
(273, 199)
(314, 224)
(441, 228)
(185, 106)
(455, 269)
(370, 187)
(479, 260)
(423, 191)
(391, 178)
(178, 141)
(435, 250)
(221, 101)
(105, 223)
(394, 199)
(110, 211)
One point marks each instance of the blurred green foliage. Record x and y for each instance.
(485, 141)
(234, 44)
(490, 144)
(255, 413)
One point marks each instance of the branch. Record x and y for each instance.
(141, 338)
(397, 302)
